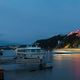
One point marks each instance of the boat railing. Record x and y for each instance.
(30, 52)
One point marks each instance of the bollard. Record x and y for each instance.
(1, 74)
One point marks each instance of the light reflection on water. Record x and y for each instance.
(68, 63)
(65, 67)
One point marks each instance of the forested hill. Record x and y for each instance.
(50, 43)
(71, 39)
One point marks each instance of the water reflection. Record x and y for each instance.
(68, 63)
(76, 65)
(65, 67)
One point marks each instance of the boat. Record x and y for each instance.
(29, 56)
(34, 55)
(30, 52)
(67, 50)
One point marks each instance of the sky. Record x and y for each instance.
(26, 21)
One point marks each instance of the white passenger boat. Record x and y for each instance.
(30, 52)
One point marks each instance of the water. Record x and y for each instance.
(65, 67)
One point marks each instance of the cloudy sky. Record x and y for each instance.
(29, 20)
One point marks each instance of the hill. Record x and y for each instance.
(71, 39)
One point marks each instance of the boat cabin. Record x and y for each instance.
(30, 52)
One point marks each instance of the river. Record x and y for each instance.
(65, 67)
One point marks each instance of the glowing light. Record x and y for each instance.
(67, 50)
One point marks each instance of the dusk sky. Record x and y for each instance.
(28, 20)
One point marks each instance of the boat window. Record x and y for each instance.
(38, 50)
(23, 50)
(28, 50)
(33, 50)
